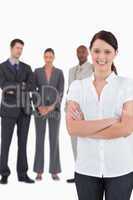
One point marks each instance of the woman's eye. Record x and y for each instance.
(107, 52)
(96, 51)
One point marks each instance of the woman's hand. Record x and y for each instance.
(43, 110)
(50, 108)
(73, 111)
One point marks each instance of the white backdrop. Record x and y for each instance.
(62, 25)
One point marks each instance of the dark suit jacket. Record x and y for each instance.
(50, 92)
(12, 104)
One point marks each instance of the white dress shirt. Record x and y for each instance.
(14, 61)
(82, 71)
(79, 72)
(102, 157)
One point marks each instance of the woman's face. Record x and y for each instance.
(49, 58)
(102, 55)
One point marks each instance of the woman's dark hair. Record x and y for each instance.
(110, 39)
(49, 50)
(13, 42)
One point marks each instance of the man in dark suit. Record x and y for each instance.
(16, 82)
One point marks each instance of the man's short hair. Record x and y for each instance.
(13, 42)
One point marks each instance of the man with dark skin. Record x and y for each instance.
(82, 54)
(80, 71)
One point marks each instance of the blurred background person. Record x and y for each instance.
(80, 71)
(50, 87)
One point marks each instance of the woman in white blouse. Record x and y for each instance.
(100, 113)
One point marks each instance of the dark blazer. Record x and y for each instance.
(50, 92)
(21, 83)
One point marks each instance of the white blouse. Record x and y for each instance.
(102, 157)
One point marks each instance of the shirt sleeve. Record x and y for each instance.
(128, 91)
(74, 92)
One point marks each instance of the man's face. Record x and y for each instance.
(82, 54)
(16, 51)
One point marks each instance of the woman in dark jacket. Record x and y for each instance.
(49, 88)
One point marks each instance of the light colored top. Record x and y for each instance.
(79, 72)
(14, 61)
(101, 157)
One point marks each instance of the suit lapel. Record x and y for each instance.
(44, 78)
(52, 78)
(10, 69)
(17, 76)
(74, 74)
(19, 72)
